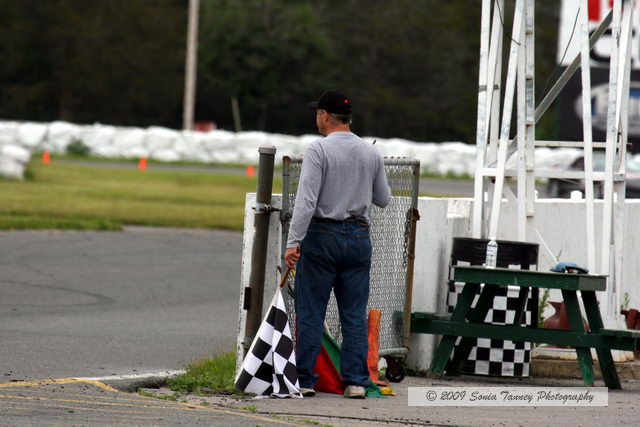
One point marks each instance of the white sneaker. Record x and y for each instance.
(354, 392)
(307, 392)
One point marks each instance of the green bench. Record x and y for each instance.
(469, 323)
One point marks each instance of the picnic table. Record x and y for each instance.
(469, 323)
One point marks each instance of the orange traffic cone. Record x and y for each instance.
(250, 171)
(46, 157)
(142, 163)
(374, 336)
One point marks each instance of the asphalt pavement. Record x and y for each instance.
(69, 402)
(335, 410)
(80, 310)
(100, 304)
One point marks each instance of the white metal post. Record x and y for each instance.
(484, 87)
(506, 117)
(521, 200)
(530, 122)
(615, 158)
(612, 136)
(624, 72)
(495, 76)
(587, 134)
(494, 120)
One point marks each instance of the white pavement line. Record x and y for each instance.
(160, 374)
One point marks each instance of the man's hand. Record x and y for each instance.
(291, 257)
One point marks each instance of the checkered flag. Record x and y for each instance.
(269, 369)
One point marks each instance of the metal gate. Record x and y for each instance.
(392, 233)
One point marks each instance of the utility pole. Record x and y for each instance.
(191, 65)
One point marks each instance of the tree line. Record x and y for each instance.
(409, 66)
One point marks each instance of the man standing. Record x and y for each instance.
(329, 241)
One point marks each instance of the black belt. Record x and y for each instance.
(335, 221)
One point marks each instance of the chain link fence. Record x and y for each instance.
(392, 241)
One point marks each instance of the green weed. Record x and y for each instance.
(544, 302)
(211, 376)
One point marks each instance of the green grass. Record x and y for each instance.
(208, 376)
(63, 196)
(449, 175)
(134, 161)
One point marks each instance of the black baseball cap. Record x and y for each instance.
(332, 101)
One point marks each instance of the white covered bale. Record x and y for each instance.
(198, 150)
(159, 139)
(220, 146)
(456, 158)
(8, 132)
(130, 142)
(107, 151)
(393, 147)
(31, 135)
(556, 158)
(165, 155)
(96, 136)
(285, 145)
(180, 146)
(60, 135)
(10, 168)
(427, 153)
(299, 147)
(17, 153)
(136, 153)
(190, 146)
(247, 144)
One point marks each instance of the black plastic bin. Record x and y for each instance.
(493, 356)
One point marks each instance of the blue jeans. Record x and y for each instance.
(338, 256)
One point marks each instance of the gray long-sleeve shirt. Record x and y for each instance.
(341, 176)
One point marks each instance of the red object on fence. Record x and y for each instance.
(46, 157)
(251, 171)
(142, 164)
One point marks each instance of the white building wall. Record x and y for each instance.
(272, 276)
